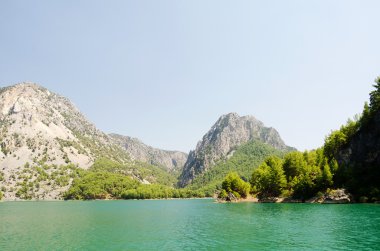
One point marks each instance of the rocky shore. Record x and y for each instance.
(338, 196)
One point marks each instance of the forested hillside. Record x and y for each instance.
(349, 159)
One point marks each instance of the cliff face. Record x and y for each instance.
(360, 159)
(229, 132)
(172, 161)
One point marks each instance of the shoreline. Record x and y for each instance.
(217, 201)
(59, 200)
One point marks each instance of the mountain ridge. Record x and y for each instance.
(172, 160)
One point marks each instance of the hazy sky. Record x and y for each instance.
(164, 71)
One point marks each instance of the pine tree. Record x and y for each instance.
(374, 96)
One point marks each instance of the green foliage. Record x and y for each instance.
(326, 180)
(303, 187)
(223, 194)
(1, 195)
(333, 143)
(142, 170)
(339, 138)
(300, 175)
(294, 164)
(104, 164)
(24, 192)
(366, 115)
(97, 184)
(110, 178)
(100, 185)
(245, 159)
(155, 191)
(269, 179)
(374, 96)
(360, 178)
(233, 183)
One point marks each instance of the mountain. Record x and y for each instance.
(220, 142)
(245, 159)
(40, 133)
(173, 161)
(45, 139)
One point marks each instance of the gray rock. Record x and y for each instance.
(231, 197)
(269, 200)
(339, 196)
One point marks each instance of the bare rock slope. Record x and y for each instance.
(41, 131)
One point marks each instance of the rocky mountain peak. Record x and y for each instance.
(229, 132)
(41, 128)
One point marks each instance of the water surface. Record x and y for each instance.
(187, 225)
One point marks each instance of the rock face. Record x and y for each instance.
(40, 128)
(229, 132)
(339, 196)
(360, 157)
(172, 161)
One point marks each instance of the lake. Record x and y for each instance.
(187, 225)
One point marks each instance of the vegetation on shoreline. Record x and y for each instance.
(106, 185)
(244, 160)
(304, 175)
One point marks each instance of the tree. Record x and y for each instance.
(326, 179)
(365, 115)
(223, 194)
(374, 96)
(333, 143)
(294, 164)
(260, 179)
(233, 183)
(269, 179)
(303, 187)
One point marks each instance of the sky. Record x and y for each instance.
(164, 71)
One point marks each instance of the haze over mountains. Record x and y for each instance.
(42, 132)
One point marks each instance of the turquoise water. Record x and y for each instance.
(187, 225)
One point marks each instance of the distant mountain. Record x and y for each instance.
(221, 141)
(173, 161)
